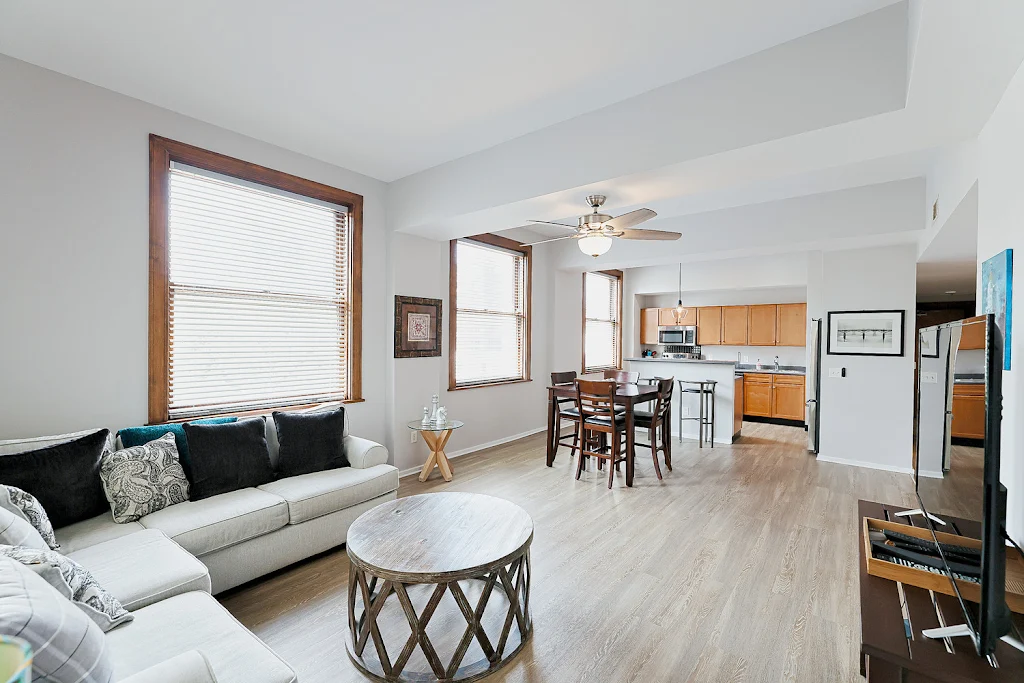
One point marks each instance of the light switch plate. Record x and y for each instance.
(929, 378)
(835, 372)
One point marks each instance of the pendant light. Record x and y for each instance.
(679, 304)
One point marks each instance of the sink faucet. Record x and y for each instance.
(776, 363)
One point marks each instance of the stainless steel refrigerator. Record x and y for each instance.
(814, 386)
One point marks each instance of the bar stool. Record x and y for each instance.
(705, 391)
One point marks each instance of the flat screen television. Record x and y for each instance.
(957, 428)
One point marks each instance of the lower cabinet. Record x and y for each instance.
(757, 395)
(968, 411)
(770, 395)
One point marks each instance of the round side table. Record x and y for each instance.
(436, 437)
(458, 566)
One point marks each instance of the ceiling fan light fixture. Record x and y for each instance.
(595, 245)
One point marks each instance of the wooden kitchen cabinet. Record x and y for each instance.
(667, 316)
(649, 325)
(972, 336)
(757, 395)
(770, 395)
(791, 325)
(968, 411)
(709, 325)
(761, 322)
(734, 325)
(788, 399)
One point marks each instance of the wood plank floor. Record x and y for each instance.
(739, 566)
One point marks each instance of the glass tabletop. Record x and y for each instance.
(451, 424)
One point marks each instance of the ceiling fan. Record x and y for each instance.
(596, 230)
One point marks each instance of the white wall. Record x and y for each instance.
(867, 417)
(1000, 211)
(419, 267)
(74, 260)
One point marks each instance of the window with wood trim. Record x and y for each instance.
(255, 287)
(602, 315)
(489, 329)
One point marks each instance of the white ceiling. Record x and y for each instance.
(391, 88)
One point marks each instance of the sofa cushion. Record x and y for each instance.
(202, 526)
(67, 645)
(320, 493)
(137, 436)
(92, 531)
(189, 667)
(74, 582)
(272, 444)
(228, 457)
(310, 442)
(143, 479)
(143, 568)
(195, 621)
(65, 477)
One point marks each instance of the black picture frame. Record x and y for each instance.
(831, 345)
(418, 306)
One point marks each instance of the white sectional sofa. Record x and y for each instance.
(166, 567)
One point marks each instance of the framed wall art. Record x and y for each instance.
(865, 333)
(417, 327)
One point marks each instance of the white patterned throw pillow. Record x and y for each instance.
(19, 504)
(143, 479)
(74, 582)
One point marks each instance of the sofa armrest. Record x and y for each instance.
(363, 453)
(188, 667)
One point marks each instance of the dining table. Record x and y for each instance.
(626, 395)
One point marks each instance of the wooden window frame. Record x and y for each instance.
(503, 243)
(617, 274)
(162, 152)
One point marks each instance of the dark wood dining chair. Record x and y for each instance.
(657, 419)
(602, 430)
(622, 376)
(565, 409)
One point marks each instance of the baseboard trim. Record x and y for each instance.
(932, 474)
(869, 465)
(478, 447)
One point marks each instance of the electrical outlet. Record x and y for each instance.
(414, 436)
(746, 360)
(686, 411)
(930, 377)
(835, 372)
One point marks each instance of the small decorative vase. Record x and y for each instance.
(15, 660)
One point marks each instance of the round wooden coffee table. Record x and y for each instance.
(458, 565)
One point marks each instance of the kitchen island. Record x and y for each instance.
(721, 371)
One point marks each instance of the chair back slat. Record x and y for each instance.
(595, 398)
(622, 377)
(664, 401)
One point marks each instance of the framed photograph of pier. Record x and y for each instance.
(865, 333)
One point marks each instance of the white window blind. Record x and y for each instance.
(490, 314)
(601, 350)
(258, 296)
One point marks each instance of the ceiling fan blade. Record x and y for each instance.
(628, 220)
(553, 239)
(561, 225)
(649, 235)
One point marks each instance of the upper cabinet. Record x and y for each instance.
(649, 325)
(761, 322)
(734, 325)
(791, 325)
(667, 316)
(709, 325)
(973, 336)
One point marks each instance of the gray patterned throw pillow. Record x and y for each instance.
(24, 505)
(74, 582)
(143, 479)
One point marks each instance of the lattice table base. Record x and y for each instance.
(493, 609)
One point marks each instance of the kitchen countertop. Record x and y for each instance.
(683, 360)
(770, 370)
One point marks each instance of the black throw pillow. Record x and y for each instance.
(64, 478)
(310, 442)
(227, 457)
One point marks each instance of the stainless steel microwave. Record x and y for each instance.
(678, 334)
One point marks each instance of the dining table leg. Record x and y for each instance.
(630, 443)
(552, 444)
